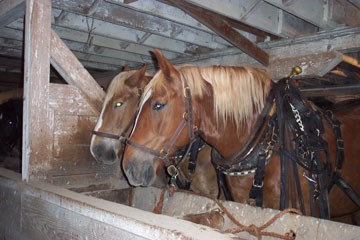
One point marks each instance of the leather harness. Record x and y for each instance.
(294, 115)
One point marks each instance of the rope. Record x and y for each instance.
(251, 229)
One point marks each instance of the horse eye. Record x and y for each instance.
(158, 106)
(118, 104)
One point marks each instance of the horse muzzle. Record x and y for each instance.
(105, 153)
(139, 173)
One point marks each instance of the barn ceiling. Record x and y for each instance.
(106, 35)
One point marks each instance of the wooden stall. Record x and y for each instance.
(58, 195)
(58, 118)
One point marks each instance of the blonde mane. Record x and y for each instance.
(239, 92)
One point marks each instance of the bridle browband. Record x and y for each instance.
(163, 154)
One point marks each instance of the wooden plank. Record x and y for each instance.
(342, 40)
(10, 201)
(224, 29)
(68, 99)
(312, 65)
(12, 94)
(10, 10)
(74, 73)
(54, 213)
(356, 3)
(144, 22)
(261, 16)
(73, 129)
(344, 13)
(332, 91)
(42, 219)
(37, 129)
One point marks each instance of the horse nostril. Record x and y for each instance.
(149, 174)
(139, 173)
(103, 154)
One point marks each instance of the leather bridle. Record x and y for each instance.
(163, 154)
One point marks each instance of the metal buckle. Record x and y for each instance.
(258, 186)
(163, 152)
(308, 178)
(340, 143)
(172, 171)
(185, 92)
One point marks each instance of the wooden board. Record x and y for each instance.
(37, 144)
(43, 211)
(49, 212)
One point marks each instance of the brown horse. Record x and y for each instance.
(115, 123)
(223, 105)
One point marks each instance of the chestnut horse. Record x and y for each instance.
(115, 123)
(223, 105)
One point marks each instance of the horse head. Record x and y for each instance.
(117, 115)
(164, 125)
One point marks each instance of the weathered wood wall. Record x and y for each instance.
(73, 120)
(58, 119)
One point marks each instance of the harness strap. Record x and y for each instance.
(120, 137)
(343, 185)
(222, 185)
(281, 126)
(256, 191)
(109, 135)
(260, 125)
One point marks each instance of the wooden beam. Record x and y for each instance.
(12, 94)
(11, 10)
(262, 16)
(356, 3)
(37, 141)
(351, 60)
(332, 91)
(317, 64)
(138, 21)
(342, 40)
(69, 67)
(224, 29)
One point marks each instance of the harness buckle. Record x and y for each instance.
(186, 90)
(309, 178)
(163, 152)
(172, 171)
(256, 185)
(340, 143)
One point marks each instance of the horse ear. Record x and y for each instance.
(165, 65)
(126, 68)
(137, 78)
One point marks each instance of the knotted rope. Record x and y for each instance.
(251, 229)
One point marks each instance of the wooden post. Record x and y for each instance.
(37, 141)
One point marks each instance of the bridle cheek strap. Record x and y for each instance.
(187, 119)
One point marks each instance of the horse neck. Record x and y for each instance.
(227, 139)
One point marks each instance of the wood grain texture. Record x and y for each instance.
(223, 29)
(69, 67)
(37, 127)
(67, 99)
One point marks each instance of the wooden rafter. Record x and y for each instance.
(10, 10)
(223, 28)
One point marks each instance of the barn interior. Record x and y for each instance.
(93, 40)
